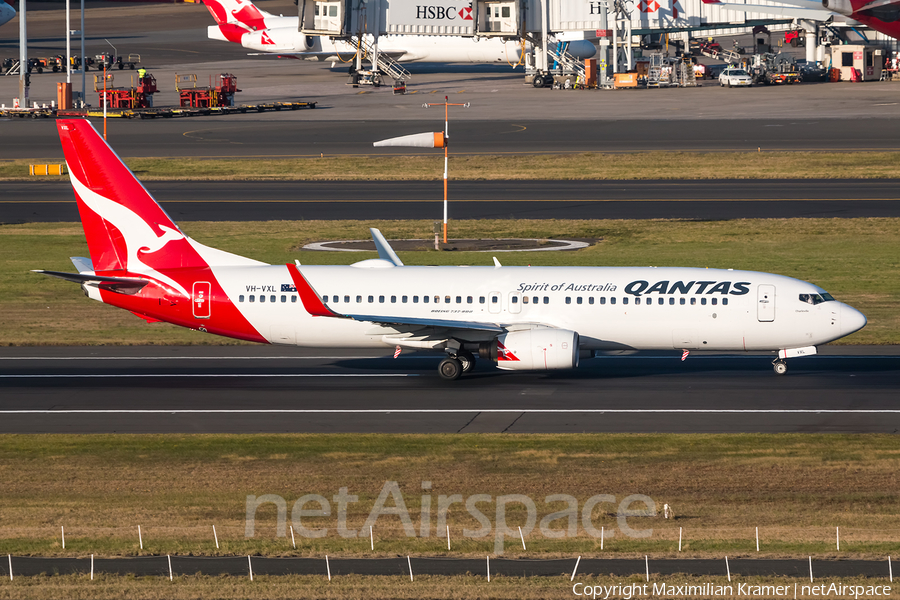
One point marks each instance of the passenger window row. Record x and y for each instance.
(660, 301)
(272, 298)
(494, 299)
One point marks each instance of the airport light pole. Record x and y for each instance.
(23, 56)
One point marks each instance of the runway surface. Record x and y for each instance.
(279, 389)
(27, 202)
(621, 567)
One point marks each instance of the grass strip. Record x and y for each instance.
(795, 488)
(854, 259)
(302, 587)
(583, 166)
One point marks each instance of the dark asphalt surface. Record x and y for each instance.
(197, 389)
(621, 567)
(270, 135)
(22, 202)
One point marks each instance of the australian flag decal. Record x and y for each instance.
(286, 287)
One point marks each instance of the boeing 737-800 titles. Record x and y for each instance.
(522, 318)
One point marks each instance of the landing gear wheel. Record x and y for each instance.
(780, 367)
(537, 81)
(450, 369)
(467, 360)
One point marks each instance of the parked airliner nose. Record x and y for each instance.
(851, 320)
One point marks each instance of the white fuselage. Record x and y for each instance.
(609, 307)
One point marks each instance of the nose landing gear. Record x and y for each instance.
(779, 366)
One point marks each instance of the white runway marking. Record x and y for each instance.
(159, 375)
(449, 411)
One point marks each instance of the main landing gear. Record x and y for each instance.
(455, 365)
(779, 366)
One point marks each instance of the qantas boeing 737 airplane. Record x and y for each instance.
(521, 318)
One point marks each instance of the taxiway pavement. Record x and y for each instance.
(29, 202)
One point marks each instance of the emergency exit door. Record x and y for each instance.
(200, 299)
(765, 303)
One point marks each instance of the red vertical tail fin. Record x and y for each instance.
(126, 229)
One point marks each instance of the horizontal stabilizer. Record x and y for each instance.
(121, 285)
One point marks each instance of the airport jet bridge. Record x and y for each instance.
(539, 34)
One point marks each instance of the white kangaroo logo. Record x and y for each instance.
(139, 236)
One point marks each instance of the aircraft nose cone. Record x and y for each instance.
(851, 320)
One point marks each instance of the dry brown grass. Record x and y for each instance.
(795, 488)
(298, 587)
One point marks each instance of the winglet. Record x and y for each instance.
(385, 252)
(497, 264)
(312, 302)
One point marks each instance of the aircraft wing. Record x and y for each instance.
(441, 323)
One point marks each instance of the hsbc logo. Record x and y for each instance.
(443, 13)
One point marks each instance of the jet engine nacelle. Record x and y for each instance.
(537, 350)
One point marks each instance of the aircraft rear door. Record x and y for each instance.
(200, 299)
(765, 303)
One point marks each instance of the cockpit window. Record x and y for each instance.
(816, 298)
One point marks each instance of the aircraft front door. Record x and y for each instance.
(200, 299)
(765, 303)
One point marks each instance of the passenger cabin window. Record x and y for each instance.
(381, 299)
(624, 300)
(672, 300)
(495, 299)
(693, 301)
(703, 301)
(602, 299)
(546, 299)
(241, 298)
(358, 299)
(346, 298)
(371, 299)
(480, 299)
(334, 298)
(636, 300)
(661, 301)
(284, 298)
(524, 299)
(715, 301)
(252, 298)
(263, 298)
(612, 300)
(535, 300)
(514, 299)
(469, 299)
(415, 299)
(425, 299)
(681, 301)
(404, 299)
(459, 299)
(446, 299)
(437, 299)
(272, 298)
(591, 300)
(578, 300)
(724, 301)
(568, 300)
(293, 298)
(393, 299)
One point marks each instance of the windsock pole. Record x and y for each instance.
(446, 145)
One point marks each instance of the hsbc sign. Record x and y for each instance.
(443, 16)
(443, 13)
